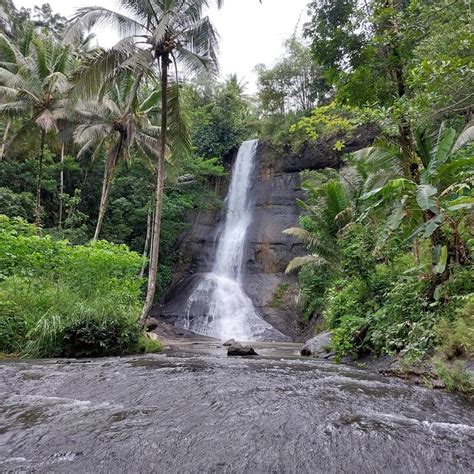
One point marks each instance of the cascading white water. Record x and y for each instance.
(229, 311)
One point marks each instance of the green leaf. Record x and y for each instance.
(425, 197)
(426, 229)
(463, 202)
(453, 166)
(444, 147)
(393, 186)
(466, 136)
(458, 207)
(393, 222)
(438, 293)
(442, 260)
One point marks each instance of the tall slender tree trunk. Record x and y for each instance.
(397, 71)
(146, 247)
(4, 139)
(39, 180)
(109, 171)
(159, 189)
(61, 187)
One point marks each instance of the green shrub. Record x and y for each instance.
(313, 283)
(350, 337)
(100, 337)
(17, 204)
(402, 318)
(63, 300)
(455, 376)
(346, 299)
(356, 245)
(41, 318)
(457, 336)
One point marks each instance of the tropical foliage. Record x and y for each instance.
(97, 143)
(390, 235)
(120, 143)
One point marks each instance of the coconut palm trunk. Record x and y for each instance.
(109, 172)
(39, 180)
(146, 247)
(159, 189)
(61, 188)
(4, 140)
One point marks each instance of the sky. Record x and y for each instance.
(250, 32)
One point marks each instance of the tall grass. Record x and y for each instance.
(62, 300)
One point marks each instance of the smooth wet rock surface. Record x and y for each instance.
(318, 346)
(199, 412)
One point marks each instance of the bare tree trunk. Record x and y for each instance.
(416, 251)
(109, 170)
(61, 187)
(147, 240)
(4, 139)
(159, 189)
(39, 180)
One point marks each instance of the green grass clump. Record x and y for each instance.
(147, 345)
(60, 300)
(278, 298)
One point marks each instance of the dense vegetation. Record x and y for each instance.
(83, 157)
(390, 235)
(118, 144)
(63, 300)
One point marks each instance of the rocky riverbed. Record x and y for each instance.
(196, 410)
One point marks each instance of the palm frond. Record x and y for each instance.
(466, 136)
(92, 134)
(178, 127)
(87, 18)
(299, 262)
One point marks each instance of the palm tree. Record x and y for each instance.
(157, 34)
(331, 209)
(119, 122)
(34, 81)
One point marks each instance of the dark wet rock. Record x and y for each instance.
(274, 192)
(228, 343)
(238, 350)
(152, 324)
(318, 346)
(419, 373)
(322, 154)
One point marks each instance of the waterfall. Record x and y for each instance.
(228, 312)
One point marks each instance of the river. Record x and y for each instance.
(195, 410)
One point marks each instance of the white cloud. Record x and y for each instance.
(250, 32)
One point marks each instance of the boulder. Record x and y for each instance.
(230, 342)
(238, 350)
(153, 336)
(152, 324)
(318, 346)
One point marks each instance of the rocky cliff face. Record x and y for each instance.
(275, 190)
(269, 250)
